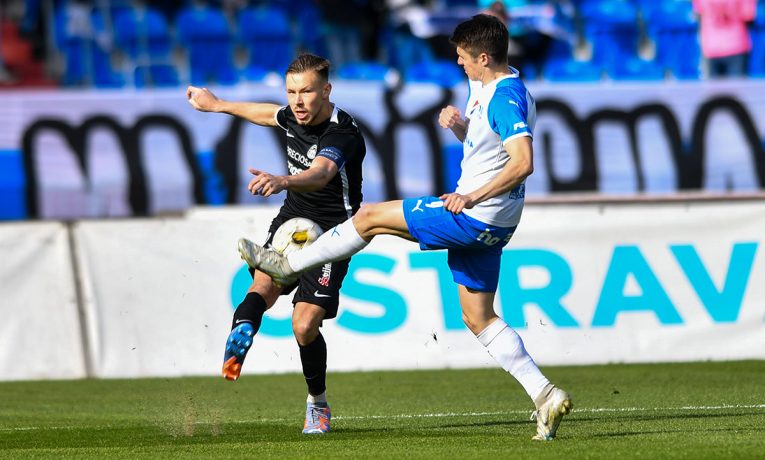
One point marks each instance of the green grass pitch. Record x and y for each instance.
(696, 410)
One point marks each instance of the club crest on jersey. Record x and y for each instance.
(326, 273)
(312, 152)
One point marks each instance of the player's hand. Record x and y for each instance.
(201, 99)
(449, 117)
(455, 203)
(265, 184)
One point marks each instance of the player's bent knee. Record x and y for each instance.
(364, 218)
(305, 331)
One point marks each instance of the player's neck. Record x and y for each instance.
(324, 114)
(493, 73)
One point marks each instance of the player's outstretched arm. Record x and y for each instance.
(519, 166)
(259, 113)
(316, 177)
(451, 118)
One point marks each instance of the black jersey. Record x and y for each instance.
(338, 139)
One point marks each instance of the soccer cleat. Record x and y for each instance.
(550, 414)
(316, 419)
(269, 262)
(238, 344)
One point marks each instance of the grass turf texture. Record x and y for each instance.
(697, 410)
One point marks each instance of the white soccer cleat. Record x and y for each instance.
(269, 262)
(550, 414)
(317, 419)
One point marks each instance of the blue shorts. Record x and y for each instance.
(475, 248)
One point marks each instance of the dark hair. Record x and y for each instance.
(482, 34)
(306, 62)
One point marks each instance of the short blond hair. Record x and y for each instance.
(306, 62)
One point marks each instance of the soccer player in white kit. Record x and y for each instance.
(473, 223)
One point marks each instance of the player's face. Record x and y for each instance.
(308, 96)
(472, 65)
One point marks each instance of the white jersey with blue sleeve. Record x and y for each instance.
(496, 114)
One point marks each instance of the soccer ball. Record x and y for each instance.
(295, 234)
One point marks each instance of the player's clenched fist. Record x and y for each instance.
(202, 99)
(449, 116)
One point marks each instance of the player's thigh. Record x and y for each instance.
(306, 320)
(264, 285)
(477, 308)
(385, 218)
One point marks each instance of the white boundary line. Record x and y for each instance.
(591, 410)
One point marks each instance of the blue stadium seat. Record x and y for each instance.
(612, 29)
(529, 72)
(674, 30)
(266, 34)
(145, 39)
(443, 73)
(559, 50)
(156, 75)
(309, 35)
(368, 71)
(206, 35)
(647, 7)
(86, 59)
(143, 34)
(636, 69)
(571, 71)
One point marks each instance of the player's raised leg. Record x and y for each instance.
(246, 323)
(338, 243)
(506, 347)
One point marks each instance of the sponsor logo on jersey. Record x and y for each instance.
(299, 157)
(294, 170)
(519, 125)
(326, 273)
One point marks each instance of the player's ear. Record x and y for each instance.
(327, 90)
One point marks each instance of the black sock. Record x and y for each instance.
(314, 359)
(250, 311)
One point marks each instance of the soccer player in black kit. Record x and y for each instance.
(325, 150)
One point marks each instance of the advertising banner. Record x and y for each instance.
(40, 334)
(73, 154)
(582, 284)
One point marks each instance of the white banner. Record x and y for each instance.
(120, 153)
(40, 334)
(582, 284)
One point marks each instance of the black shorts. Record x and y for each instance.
(318, 286)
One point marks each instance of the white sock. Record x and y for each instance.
(318, 399)
(335, 244)
(506, 347)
